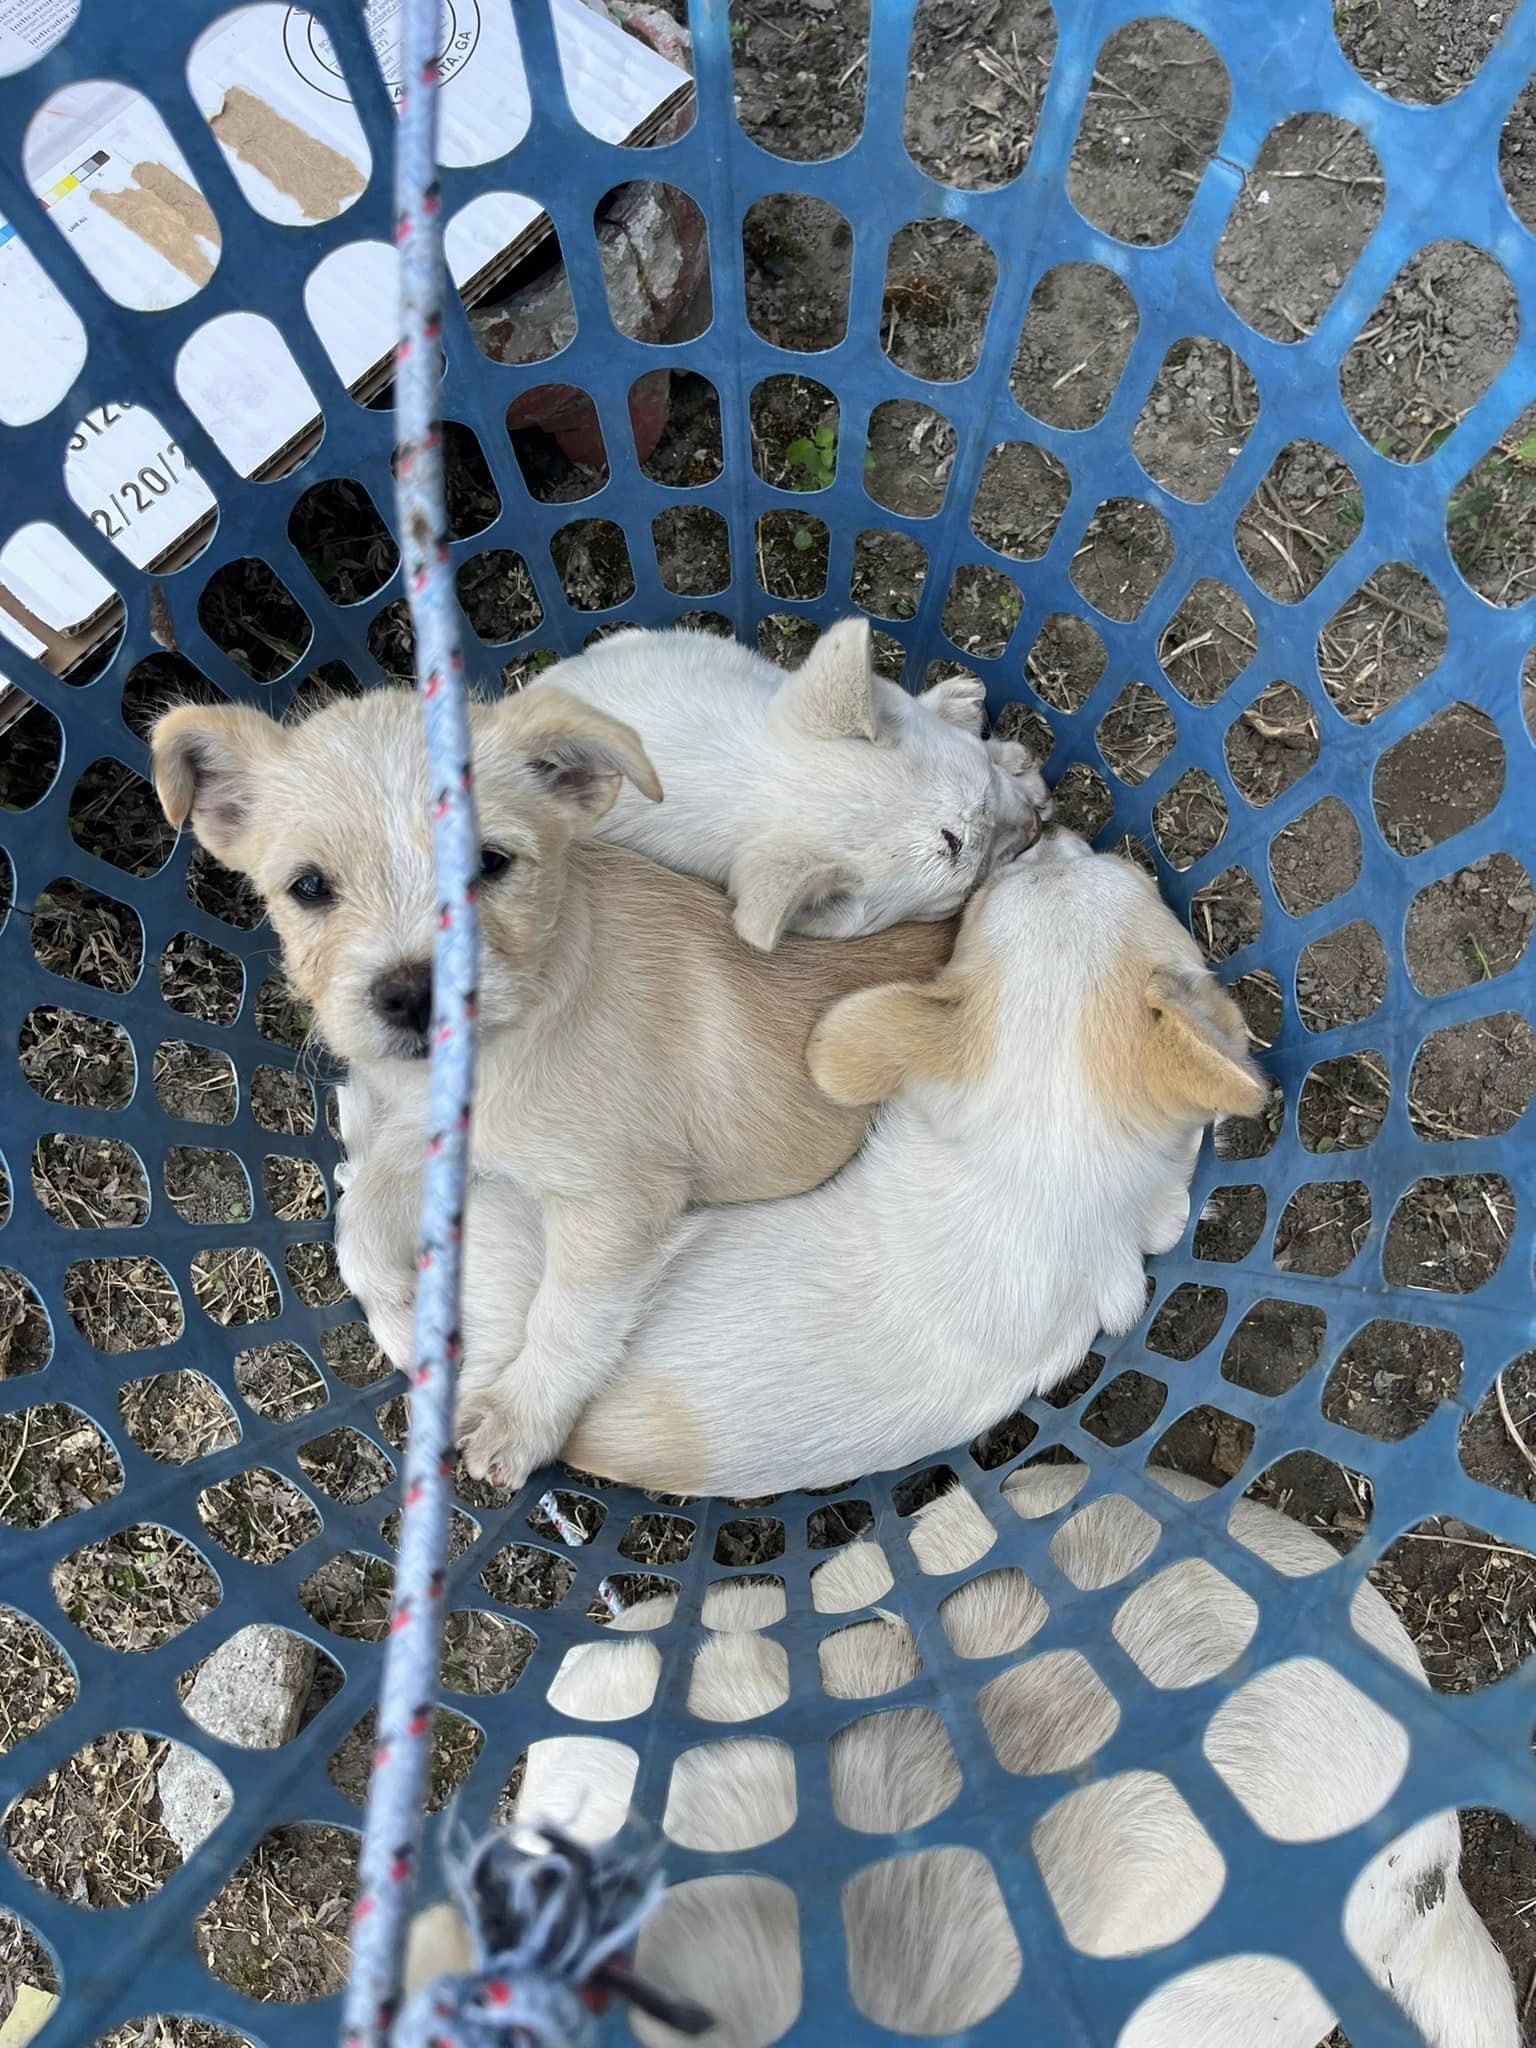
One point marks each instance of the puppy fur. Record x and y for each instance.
(635, 1057)
(826, 801)
(1044, 1100)
(1127, 1866)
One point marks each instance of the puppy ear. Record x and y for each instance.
(831, 695)
(1195, 1060)
(867, 1045)
(577, 754)
(774, 880)
(206, 759)
(958, 700)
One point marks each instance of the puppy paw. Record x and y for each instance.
(491, 1452)
(1011, 758)
(502, 1447)
(959, 700)
(1023, 773)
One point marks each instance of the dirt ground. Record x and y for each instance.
(1444, 329)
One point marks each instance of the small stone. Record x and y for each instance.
(250, 1692)
(193, 1798)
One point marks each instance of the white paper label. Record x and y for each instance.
(132, 481)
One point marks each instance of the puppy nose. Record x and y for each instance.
(1031, 828)
(403, 997)
(1016, 837)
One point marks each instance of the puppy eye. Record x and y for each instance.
(312, 888)
(494, 862)
(951, 843)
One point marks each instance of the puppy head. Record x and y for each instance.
(331, 819)
(1071, 982)
(893, 808)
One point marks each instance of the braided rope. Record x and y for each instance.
(392, 1831)
(551, 1924)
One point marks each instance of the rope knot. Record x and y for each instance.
(551, 1929)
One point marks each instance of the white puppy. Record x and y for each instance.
(1043, 1102)
(1127, 1866)
(825, 801)
(1044, 1097)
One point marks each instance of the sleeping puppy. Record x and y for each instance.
(1044, 1098)
(1127, 1867)
(635, 1057)
(826, 801)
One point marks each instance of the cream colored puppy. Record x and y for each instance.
(1044, 1098)
(825, 801)
(635, 1057)
(1127, 1866)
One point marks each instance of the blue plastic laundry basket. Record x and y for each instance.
(1441, 179)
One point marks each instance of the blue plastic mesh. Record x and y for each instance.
(1441, 179)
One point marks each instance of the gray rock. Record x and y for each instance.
(250, 1692)
(194, 1797)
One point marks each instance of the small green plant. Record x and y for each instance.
(814, 455)
(1490, 516)
(1471, 505)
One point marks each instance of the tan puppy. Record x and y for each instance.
(635, 1058)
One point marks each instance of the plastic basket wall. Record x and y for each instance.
(1441, 179)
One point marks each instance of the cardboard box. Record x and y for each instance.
(267, 81)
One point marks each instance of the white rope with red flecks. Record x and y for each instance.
(396, 1793)
(550, 1927)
